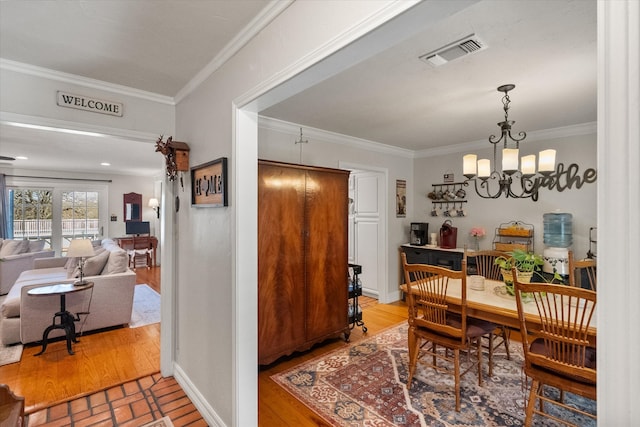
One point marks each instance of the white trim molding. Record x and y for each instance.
(77, 80)
(618, 209)
(332, 137)
(538, 135)
(56, 125)
(257, 24)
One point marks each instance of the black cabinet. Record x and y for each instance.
(447, 258)
(451, 259)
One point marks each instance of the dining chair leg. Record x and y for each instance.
(505, 339)
(456, 368)
(491, 357)
(414, 349)
(479, 355)
(533, 393)
(434, 349)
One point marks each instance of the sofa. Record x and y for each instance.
(23, 317)
(17, 256)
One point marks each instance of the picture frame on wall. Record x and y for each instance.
(401, 198)
(209, 184)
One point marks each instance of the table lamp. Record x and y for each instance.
(80, 248)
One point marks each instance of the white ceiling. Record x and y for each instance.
(546, 48)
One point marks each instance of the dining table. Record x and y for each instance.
(495, 304)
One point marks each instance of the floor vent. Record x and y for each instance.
(458, 49)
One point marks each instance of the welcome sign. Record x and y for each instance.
(85, 103)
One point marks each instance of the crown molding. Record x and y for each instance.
(331, 137)
(293, 75)
(13, 119)
(336, 138)
(539, 135)
(60, 76)
(257, 24)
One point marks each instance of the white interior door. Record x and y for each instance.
(366, 229)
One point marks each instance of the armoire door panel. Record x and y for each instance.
(326, 251)
(281, 310)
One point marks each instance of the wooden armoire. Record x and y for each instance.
(302, 257)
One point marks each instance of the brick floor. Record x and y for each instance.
(128, 405)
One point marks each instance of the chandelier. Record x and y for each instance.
(511, 182)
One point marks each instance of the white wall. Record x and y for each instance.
(206, 291)
(328, 149)
(34, 95)
(489, 213)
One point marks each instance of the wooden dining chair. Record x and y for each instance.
(485, 266)
(559, 354)
(141, 251)
(431, 321)
(11, 408)
(579, 267)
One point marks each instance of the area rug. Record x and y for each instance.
(9, 353)
(146, 307)
(162, 422)
(363, 384)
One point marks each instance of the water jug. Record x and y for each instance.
(558, 229)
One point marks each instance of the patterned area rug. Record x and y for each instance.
(364, 385)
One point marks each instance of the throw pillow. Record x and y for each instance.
(92, 265)
(72, 264)
(24, 247)
(36, 245)
(12, 247)
(117, 263)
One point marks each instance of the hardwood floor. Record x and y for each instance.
(124, 358)
(102, 360)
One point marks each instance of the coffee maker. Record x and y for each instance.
(419, 233)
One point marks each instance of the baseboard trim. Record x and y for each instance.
(207, 412)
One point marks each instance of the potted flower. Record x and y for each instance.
(477, 233)
(526, 263)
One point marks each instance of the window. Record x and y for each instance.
(57, 213)
(80, 216)
(32, 211)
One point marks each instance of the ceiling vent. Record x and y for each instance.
(463, 47)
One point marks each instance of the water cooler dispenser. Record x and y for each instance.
(558, 238)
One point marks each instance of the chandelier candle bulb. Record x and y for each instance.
(510, 160)
(547, 161)
(469, 165)
(484, 168)
(529, 165)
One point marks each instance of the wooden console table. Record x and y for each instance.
(127, 241)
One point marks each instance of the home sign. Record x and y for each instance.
(209, 184)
